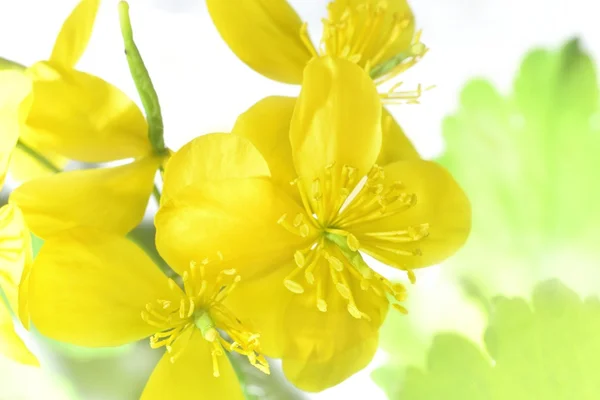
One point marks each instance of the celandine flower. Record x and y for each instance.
(85, 118)
(95, 289)
(315, 301)
(268, 35)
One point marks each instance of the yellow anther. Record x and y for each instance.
(343, 290)
(354, 311)
(353, 242)
(293, 286)
(322, 305)
(299, 259)
(411, 276)
(400, 308)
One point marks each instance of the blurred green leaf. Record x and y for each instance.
(529, 163)
(549, 350)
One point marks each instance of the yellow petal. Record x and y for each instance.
(337, 121)
(75, 34)
(375, 20)
(395, 145)
(89, 288)
(84, 117)
(15, 89)
(267, 125)
(110, 199)
(218, 199)
(11, 345)
(15, 250)
(265, 34)
(190, 376)
(24, 167)
(440, 203)
(319, 349)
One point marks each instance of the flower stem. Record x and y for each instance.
(6, 64)
(143, 83)
(38, 156)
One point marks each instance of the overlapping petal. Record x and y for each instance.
(337, 122)
(440, 203)
(110, 199)
(267, 125)
(83, 117)
(265, 34)
(190, 375)
(219, 200)
(319, 349)
(89, 288)
(75, 34)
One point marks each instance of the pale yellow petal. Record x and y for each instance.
(15, 89)
(110, 199)
(75, 34)
(336, 124)
(24, 167)
(396, 146)
(435, 227)
(11, 345)
(83, 117)
(89, 288)
(265, 34)
(267, 125)
(219, 202)
(190, 376)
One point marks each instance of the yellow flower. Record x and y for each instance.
(15, 260)
(268, 35)
(315, 301)
(84, 118)
(94, 289)
(68, 49)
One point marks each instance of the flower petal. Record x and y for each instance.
(218, 198)
(440, 203)
(83, 117)
(291, 327)
(11, 345)
(110, 199)
(267, 125)
(89, 288)
(380, 44)
(24, 167)
(190, 376)
(337, 121)
(15, 88)
(395, 145)
(265, 34)
(75, 34)
(15, 256)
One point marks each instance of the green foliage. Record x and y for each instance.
(547, 350)
(529, 163)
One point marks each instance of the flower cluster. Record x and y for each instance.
(264, 229)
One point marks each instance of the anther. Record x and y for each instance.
(293, 286)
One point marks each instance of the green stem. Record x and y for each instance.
(156, 194)
(38, 157)
(9, 64)
(143, 83)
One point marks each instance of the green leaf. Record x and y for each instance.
(528, 162)
(547, 350)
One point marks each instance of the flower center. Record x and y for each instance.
(333, 260)
(200, 307)
(364, 34)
